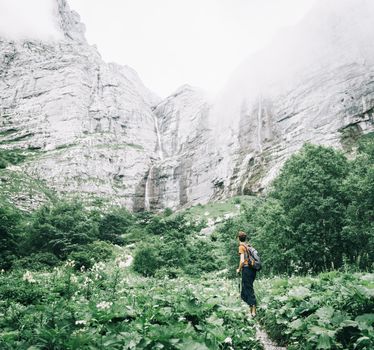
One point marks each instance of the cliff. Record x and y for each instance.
(96, 131)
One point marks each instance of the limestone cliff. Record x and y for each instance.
(97, 131)
(92, 122)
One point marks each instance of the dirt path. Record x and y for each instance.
(264, 339)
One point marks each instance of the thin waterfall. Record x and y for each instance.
(259, 125)
(159, 144)
(147, 194)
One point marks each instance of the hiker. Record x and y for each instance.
(248, 268)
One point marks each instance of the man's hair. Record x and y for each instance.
(242, 236)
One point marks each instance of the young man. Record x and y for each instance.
(248, 273)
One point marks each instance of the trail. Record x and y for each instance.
(264, 339)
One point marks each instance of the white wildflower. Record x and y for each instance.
(98, 267)
(125, 263)
(28, 277)
(104, 305)
(228, 340)
(81, 322)
(2, 271)
(83, 268)
(86, 281)
(70, 263)
(73, 279)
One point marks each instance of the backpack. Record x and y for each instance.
(253, 257)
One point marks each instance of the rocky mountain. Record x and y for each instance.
(98, 132)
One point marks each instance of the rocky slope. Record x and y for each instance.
(99, 132)
(92, 122)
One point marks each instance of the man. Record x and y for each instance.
(246, 264)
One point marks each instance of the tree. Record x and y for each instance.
(358, 229)
(309, 188)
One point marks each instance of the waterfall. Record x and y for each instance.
(148, 194)
(242, 171)
(259, 125)
(148, 184)
(159, 144)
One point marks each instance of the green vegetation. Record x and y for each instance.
(318, 214)
(216, 210)
(93, 278)
(108, 307)
(330, 311)
(12, 157)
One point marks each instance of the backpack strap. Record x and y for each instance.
(251, 260)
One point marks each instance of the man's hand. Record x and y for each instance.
(237, 270)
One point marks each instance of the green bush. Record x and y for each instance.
(10, 220)
(61, 229)
(20, 291)
(146, 259)
(114, 224)
(203, 257)
(37, 261)
(89, 254)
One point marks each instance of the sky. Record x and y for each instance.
(175, 42)
(168, 42)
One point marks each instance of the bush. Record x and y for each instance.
(203, 257)
(146, 259)
(10, 219)
(37, 261)
(114, 224)
(91, 253)
(19, 291)
(61, 229)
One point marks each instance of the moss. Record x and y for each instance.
(14, 156)
(8, 132)
(118, 146)
(349, 136)
(16, 139)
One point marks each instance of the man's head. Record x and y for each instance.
(242, 236)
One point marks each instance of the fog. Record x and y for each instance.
(334, 34)
(175, 42)
(29, 20)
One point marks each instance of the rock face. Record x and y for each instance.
(92, 122)
(315, 83)
(100, 132)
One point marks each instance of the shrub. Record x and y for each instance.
(114, 224)
(146, 259)
(37, 261)
(10, 219)
(91, 253)
(61, 229)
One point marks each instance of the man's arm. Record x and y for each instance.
(241, 262)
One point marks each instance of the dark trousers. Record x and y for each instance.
(248, 293)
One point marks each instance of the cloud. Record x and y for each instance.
(29, 20)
